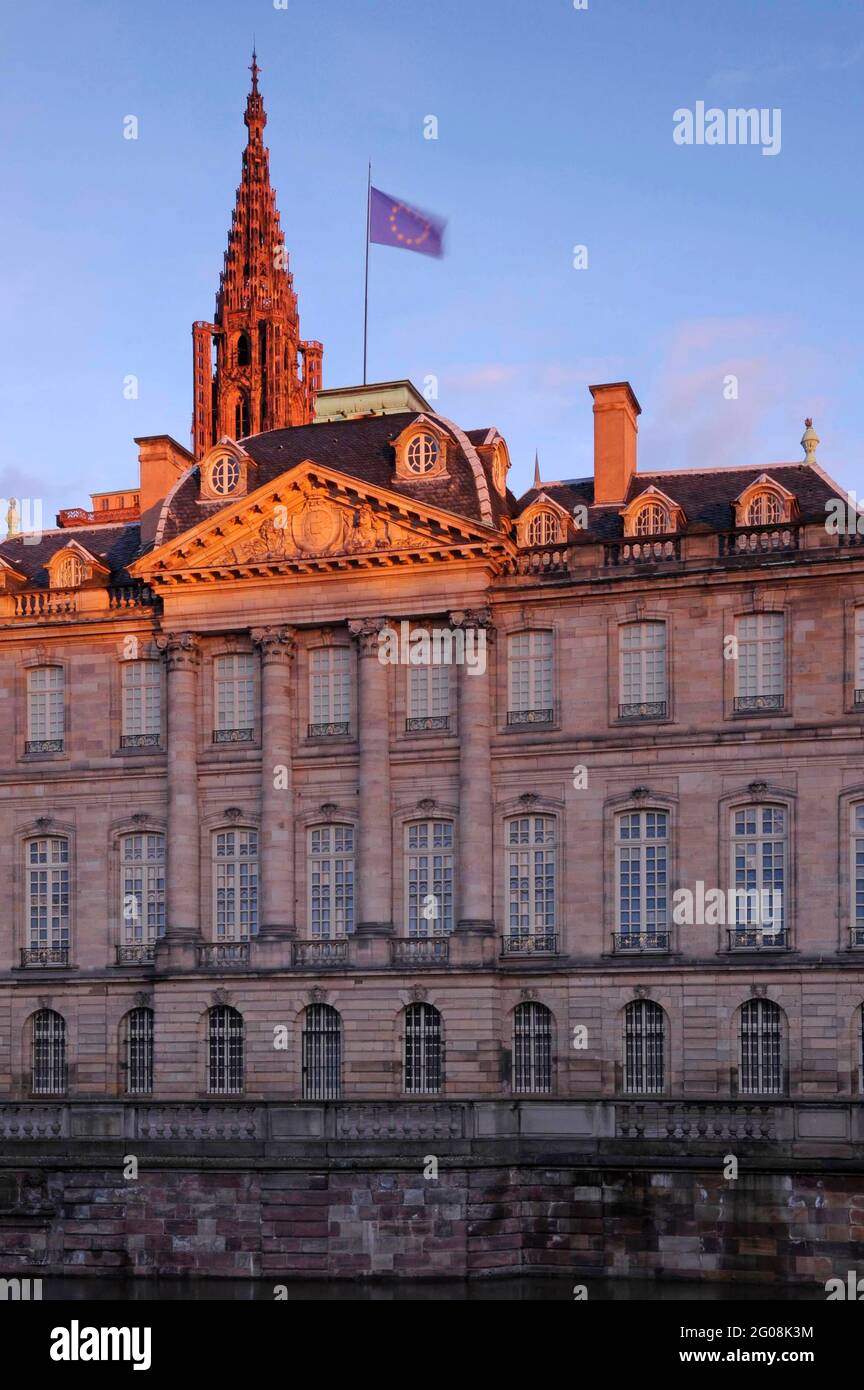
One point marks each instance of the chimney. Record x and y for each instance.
(615, 430)
(162, 462)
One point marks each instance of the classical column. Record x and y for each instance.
(374, 869)
(182, 914)
(277, 647)
(474, 901)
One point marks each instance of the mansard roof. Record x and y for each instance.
(115, 547)
(707, 496)
(361, 449)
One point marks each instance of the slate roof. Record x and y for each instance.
(114, 546)
(363, 449)
(707, 495)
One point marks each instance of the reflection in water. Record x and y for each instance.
(476, 1290)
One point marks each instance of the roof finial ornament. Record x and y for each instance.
(537, 482)
(810, 441)
(254, 68)
(13, 521)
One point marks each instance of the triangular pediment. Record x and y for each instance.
(316, 518)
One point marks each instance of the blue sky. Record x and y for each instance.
(555, 130)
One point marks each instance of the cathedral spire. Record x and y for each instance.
(257, 382)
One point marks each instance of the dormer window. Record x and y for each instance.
(542, 529)
(766, 509)
(422, 453)
(224, 476)
(652, 520)
(69, 572)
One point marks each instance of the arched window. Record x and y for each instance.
(542, 529)
(422, 453)
(48, 1054)
(642, 873)
(423, 1050)
(48, 899)
(429, 877)
(644, 1047)
(142, 885)
(760, 1034)
(225, 1046)
(45, 710)
(532, 1049)
(766, 509)
(235, 885)
(856, 876)
(69, 572)
(651, 520)
(243, 355)
(531, 884)
(529, 678)
(138, 1052)
(322, 1053)
(642, 671)
(330, 876)
(241, 417)
(759, 855)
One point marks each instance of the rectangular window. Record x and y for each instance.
(759, 668)
(428, 698)
(142, 704)
(642, 666)
(331, 881)
(859, 656)
(234, 698)
(531, 884)
(45, 710)
(429, 877)
(235, 884)
(329, 691)
(48, 894)
(858, 880)
(529, 663)
(643, 884)
(143, 888)
(758, 876)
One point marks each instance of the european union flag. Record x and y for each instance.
(394, 223)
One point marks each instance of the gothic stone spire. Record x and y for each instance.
(257, 383)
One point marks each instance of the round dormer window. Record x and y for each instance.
(422, 453)
(70, 572)
(224, 476)
(765, 510)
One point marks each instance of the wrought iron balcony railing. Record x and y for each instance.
(420, 950)
(233, 735)
(758, 704)
(757, 938)
(530, 716)
(418, 724)
(526, 944)
(336, 728)
(135, 953)
(648, 709)
(641, 941)
(45, 957)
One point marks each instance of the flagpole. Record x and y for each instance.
(366, 289)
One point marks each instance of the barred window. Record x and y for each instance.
(759, 670)
(429, 692)
(429, 877)
(48, 893)
(45, 709)
(234, 695)
(138, 1052)
(330, 689)
(225, 1048)
(532, 1049)
(642, 854)
(651, 520)
(531, 896)
(235, 884)
(765, 509)
(142, 702)
(423, 1050)
(330, 874)
(542, 529)
(642, 664)
(530, 673)
(761, 1071)
(142, 883)
(857, 873)
(48, 1054)
(759, 855)
(644, 1047)
(322, 1053)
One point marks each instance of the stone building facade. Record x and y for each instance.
(348, 799)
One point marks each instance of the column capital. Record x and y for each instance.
(367, 632)
(474, 618)
(181, 649)
(277, 644)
